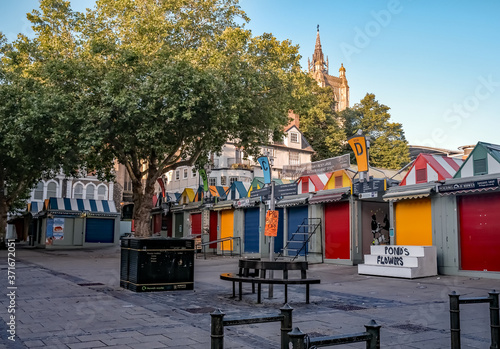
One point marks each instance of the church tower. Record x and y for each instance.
(318, 68)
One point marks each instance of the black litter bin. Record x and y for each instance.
(157, 264)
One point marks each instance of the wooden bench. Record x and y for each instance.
(254, 272)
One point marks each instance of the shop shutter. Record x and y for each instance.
(252, 230)
(278, 240)
(100, 230)
(479, 232)
(337, 233)
(213, 228)
(196, 223)
(296, 216)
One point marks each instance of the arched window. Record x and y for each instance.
(52, 190)
(102, 192)
(78, 191)
(38, 194)
(89, 194)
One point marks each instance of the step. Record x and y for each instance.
(401, 272)
(404, 251)
(394, 261)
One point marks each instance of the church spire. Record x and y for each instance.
(318, 60)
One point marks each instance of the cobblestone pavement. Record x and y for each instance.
(72, 299)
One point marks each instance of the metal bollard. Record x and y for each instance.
(297, 339)
(494, 320)
(286, 325)
(374, 329)
(455, 320)
(217, 330)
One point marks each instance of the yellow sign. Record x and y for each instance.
(358, 145)
(271, 223)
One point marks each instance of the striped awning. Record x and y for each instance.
(408, 194)
(293, 200)
(468, 191)
(328, 196)
(66, 205)
(35, 207)
(223, 205)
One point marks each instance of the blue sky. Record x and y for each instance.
(436, 64)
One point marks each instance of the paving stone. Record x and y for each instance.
(34, 344)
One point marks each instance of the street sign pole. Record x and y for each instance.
(271, 243)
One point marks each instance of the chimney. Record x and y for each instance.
(294, 119)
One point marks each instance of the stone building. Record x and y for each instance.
(319, 69)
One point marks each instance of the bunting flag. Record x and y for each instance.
(203, 175)
(266, 168)
(358, 145)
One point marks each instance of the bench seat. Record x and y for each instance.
(262, 280)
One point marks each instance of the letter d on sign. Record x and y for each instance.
(358, 145)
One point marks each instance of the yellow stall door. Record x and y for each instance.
(413, 222)
(226, 228)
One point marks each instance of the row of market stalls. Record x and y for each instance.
(69, 223)
(444, 202)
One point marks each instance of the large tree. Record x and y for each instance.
(33, 142)
(388, 145)
(319, 123)
(159, 84)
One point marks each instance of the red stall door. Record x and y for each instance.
(213, 228)
(480, 232)
(196, 224)
(337, 234)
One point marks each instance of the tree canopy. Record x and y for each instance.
(160, 84)
(388, 145)
(33, 140)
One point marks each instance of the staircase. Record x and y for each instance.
(400, 261)
(297, 245)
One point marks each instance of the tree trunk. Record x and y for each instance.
(143, 203)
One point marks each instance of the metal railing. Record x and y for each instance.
(230, 239)
(300, 340)
(302, 236)
(455, 302)
(218, 324)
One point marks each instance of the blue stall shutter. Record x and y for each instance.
(100, 230)
(296, 216)
(252, 230)
(278, 240)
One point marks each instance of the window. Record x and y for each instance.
(78, 191)
(294, 137)
(52, 190)
(294, 159)
(101, 192)
(338, 182)
(223, 180)
(480, 167)
(38, 194)
(177, 175)
(89, 193)
(421, 175)
(268, 152)
(212, 181)
(232, 180)
(185, 173)
(193, 172)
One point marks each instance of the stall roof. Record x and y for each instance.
(81, 205)
(414, 191)
(430, 168)
(218, 191)
(315, 182)
(35, 206)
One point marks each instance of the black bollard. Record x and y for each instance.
(297, 339)
(494, 320)
(286, 325)
(374, 329)
(217, 330)
(455, 320)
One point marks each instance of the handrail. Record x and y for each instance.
(315, 224)
(230, 238)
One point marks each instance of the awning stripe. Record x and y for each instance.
(79, 205)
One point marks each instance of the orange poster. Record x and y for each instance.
(271, 223)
